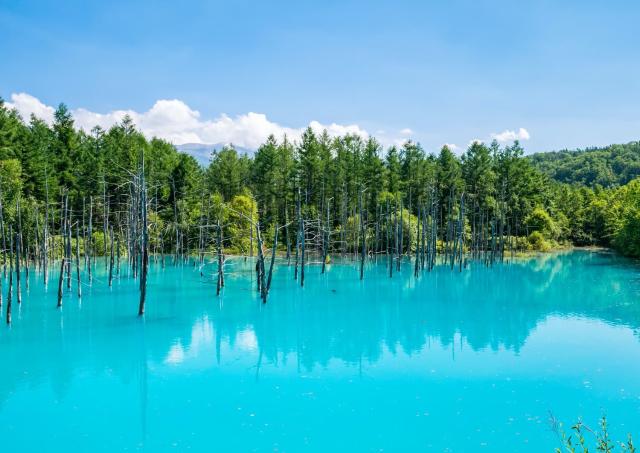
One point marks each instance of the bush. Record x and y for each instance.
(242, 209)
(541, 222)
(538, 242)
(582, 438)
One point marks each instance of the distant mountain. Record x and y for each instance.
(608, 166)
(202, 151)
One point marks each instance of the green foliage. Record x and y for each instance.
(10, 183)
(227, 173)
(581, 438)
(327, 174)
(538, 242)
(449, 173)
(627, 240)
(98, 245)
(539, 221)
(625, 225)
(480, 174)
(393, 170)
(241, 211)
(611, 166)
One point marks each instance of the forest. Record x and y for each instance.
(342, 186)
(611, 166)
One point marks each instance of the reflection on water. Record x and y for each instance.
(544, 333)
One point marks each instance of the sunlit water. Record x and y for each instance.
(447, 362)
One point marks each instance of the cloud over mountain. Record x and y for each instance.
(178, 123)
(175, 121)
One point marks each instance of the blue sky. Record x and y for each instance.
(449, 72)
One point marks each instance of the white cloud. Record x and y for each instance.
(337, 129)
(175, 121)
(28, 105)
(509, 136)
(452, 146)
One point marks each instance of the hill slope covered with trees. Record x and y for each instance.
(611, 166)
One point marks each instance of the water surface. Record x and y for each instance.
(447, 362)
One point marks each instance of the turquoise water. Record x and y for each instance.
(448, 362)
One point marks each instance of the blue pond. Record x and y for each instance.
(450, 361)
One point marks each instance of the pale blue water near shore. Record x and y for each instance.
(448, 362)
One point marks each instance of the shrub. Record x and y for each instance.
(580, 438)
(538, 242)
(540, 221)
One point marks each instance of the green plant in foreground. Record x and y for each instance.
(575, 441)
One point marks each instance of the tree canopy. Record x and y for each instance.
(580, 197)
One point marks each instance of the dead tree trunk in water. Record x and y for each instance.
(111, 257)
(118, 253)
(417, 262)
(302, 257)
(18, 291)
(401, 236)
(389, 254)
(273, 258)
(299, 221)
(105, 216)
(88, 246)
(175, 219)
(462, 233)
(4, 240)
(250, 231)
(84, 229)
(286, 232)
(145, 243)
(45, 235)
(63, 220)
(68, 244)
(1, 294)
(220, 282)
(78, 261)
(363, 251)
(10, 293)
(327, 238)
(18, 245)
(260, 264)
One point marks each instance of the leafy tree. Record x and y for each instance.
(479, 175)
(373, 173)
(413, 172)
(10, 184)
(34, 159)
(394, 170)
(449, 173)
(241, 212)
(12, 133)
(309, 167)
(570, 196)
(226, 173)
(540, 221)
(64, 148)
(264, 178)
